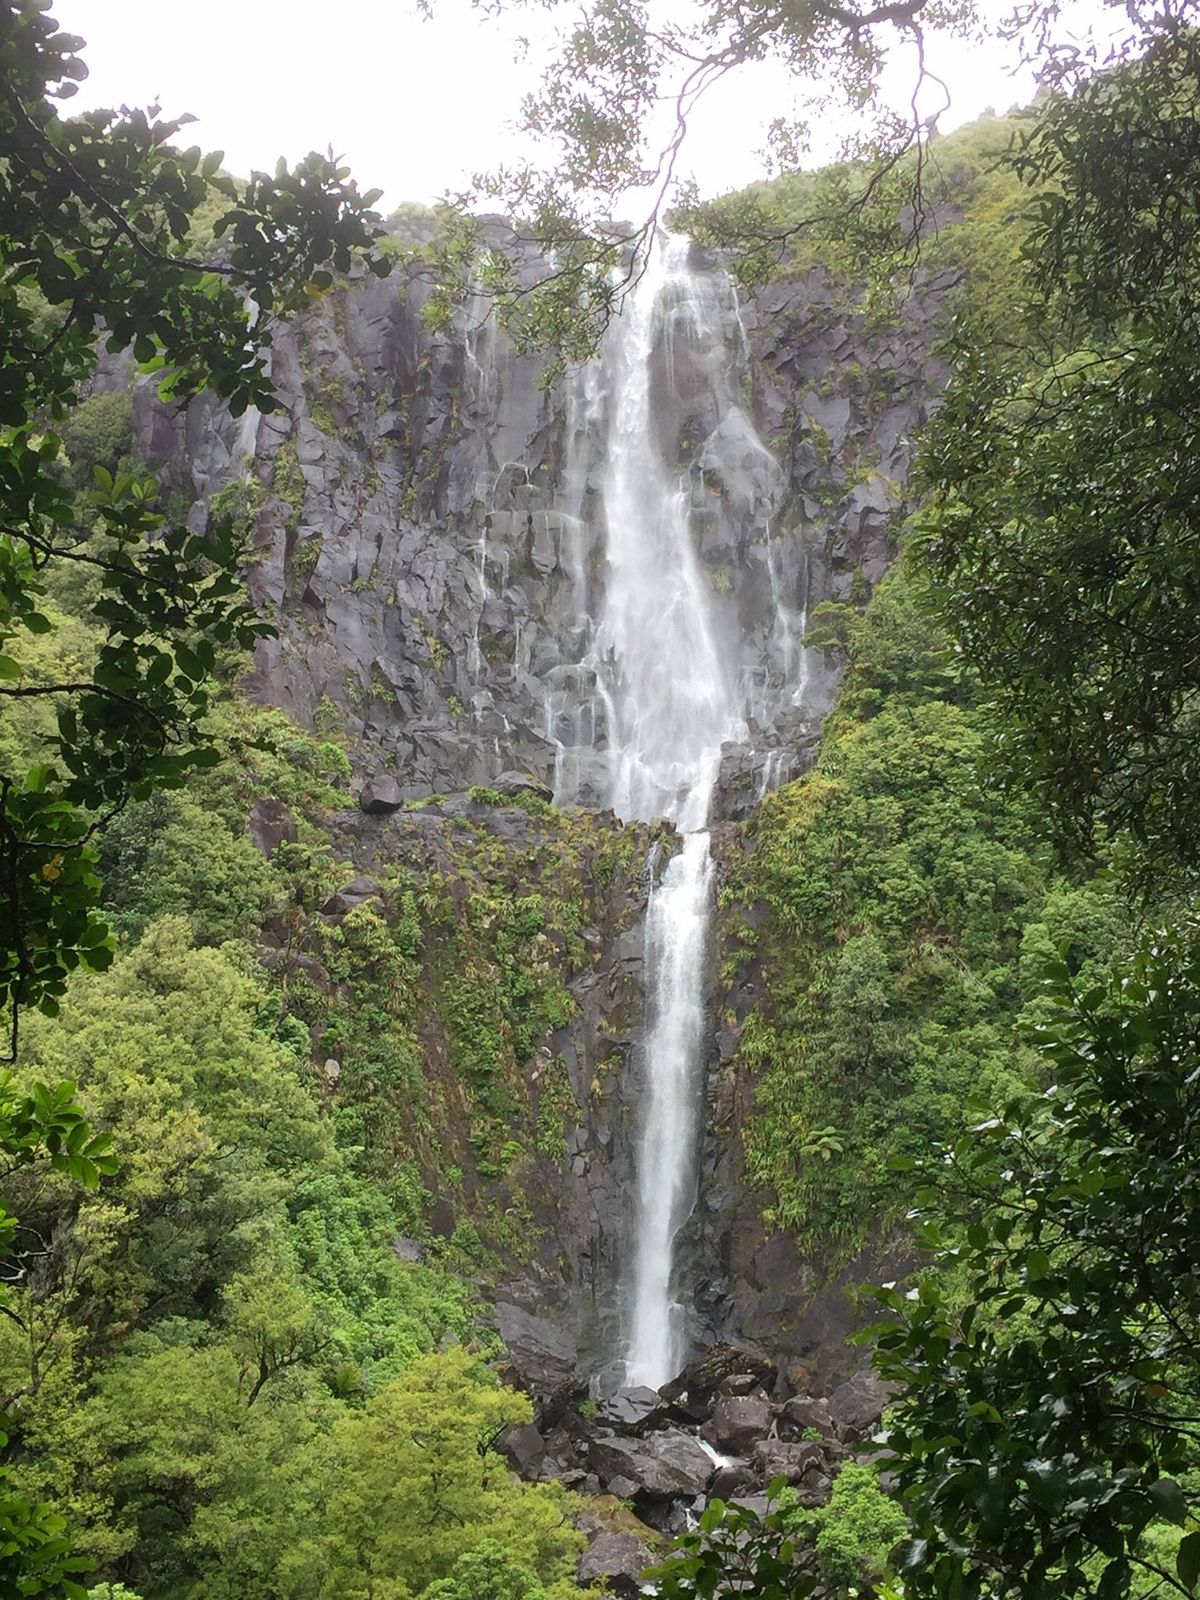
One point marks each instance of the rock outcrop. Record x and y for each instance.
(426, 532)
(665, 1453)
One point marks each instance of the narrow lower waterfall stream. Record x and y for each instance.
(676, 936)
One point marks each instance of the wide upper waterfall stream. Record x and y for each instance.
(662, 692)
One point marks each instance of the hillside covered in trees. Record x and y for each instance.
(599, 850)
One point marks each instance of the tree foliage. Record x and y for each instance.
(1062, 527)
(907, 903)
(841, 1549)
(95, 216)
(1046, 1361)
(43, 1128)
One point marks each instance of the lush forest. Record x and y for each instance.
(268, 1140)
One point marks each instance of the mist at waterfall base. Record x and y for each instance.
(665, 693)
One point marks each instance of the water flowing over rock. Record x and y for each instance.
(670, 690)
(597, 591)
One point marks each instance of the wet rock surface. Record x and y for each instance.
(427, 529)
(427, 539)
(665, 1467)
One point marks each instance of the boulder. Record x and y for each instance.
(523, 1447)
(510, 783)
(632, 1409)
(775, 1459)
(542, 1355)
(738, 1422)
(663, 1466)
(857, 1405)
(815, 1490)
(757, 1503)
(740, 1383)
(350, 895)
(802, 1412)
(562, 1459)
(617, 1559)
(736, 1478)
(381, 794)
(622, 1488)
(693, 1390)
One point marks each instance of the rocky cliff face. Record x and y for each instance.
(426, 516)
(427, 537)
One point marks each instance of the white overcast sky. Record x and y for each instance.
(414, 106)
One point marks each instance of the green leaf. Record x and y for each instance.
(1169, 1499)
(1037, 1264)
(189, 663)
(1187, 1559)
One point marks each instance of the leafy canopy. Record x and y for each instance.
(1047, 1360)
(95, 221)
(1062, 528)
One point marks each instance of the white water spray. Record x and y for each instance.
(670, 703)
(660, 682)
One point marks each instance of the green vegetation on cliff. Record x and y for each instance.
(908, 907)
(225, 1348)
(214, 1361)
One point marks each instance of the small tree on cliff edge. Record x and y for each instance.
(95, 218)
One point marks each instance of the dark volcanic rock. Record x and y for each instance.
(510, 783)
(350, 895)
(665, 1466)
(802, 1411)
(857, 1405)
(380, 795)
(524, 1448)
(617, 1559)
(757, 1503)
(733, 1479)
(774, 1459)
(740, 1383)
(564, 1456)
(738, 1422)
(694, 1388)
(423, 536)
(632, 1409)
(622, 1488)
(271, 823)
(542, 1354)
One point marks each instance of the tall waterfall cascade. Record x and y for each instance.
(661, 686)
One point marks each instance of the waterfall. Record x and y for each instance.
(674, 697)
(667, 468)
(671, 701)
(676, 934)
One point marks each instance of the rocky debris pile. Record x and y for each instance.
(720, 1429)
